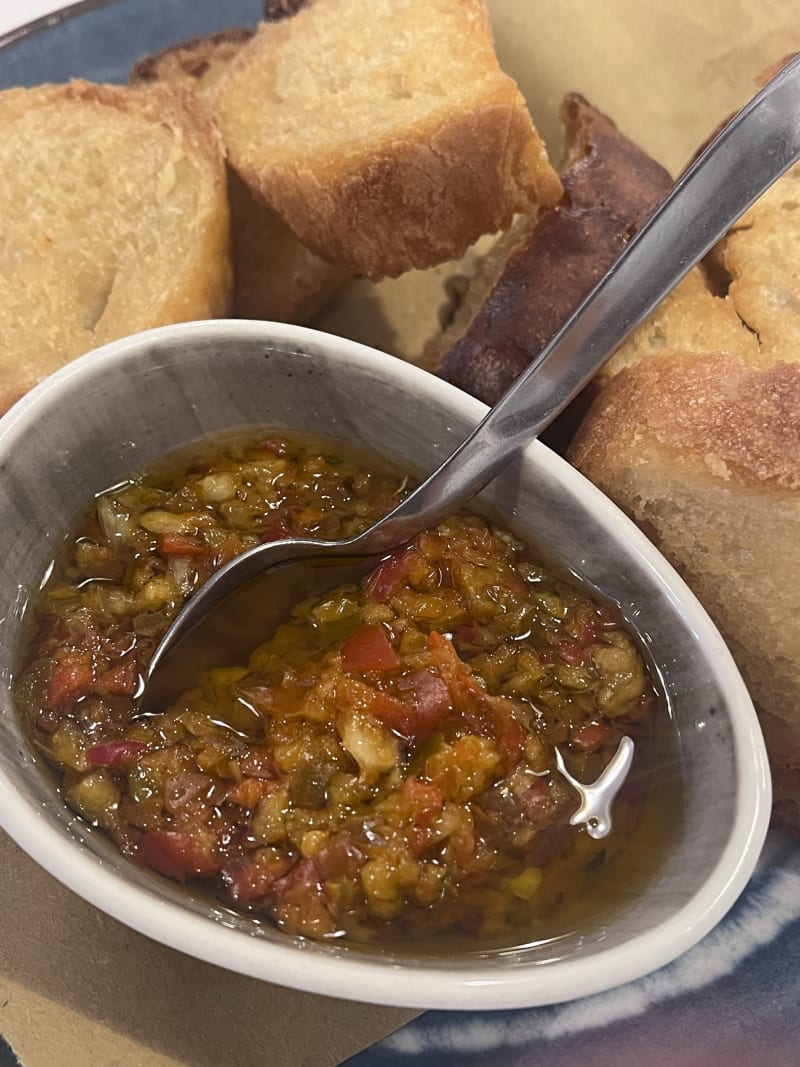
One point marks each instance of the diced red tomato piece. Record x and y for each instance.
(276, 445)
(275, 528)
(121, 680)
(249, 792)
(538, 804)
(428, 801)
(391, 712)
(304, 877)
(590, 634)
(183, 788)
(464, 687)
(592, 735)
(512, 740)
(418, 838)
(180, 544)
(177, 855)
(425, 796)
(430, 697)
(250, 879)
(115, 753)
(387, 576)
(340, 857)
(369, 649)
(426, 701)
(258, 763)
(572, 652)
(73, 678)
(472, 637)
(300, 902)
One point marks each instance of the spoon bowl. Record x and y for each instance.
(287, 574)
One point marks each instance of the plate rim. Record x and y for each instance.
(48, 22)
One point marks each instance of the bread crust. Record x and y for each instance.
(276, 276)
(201, 289)
(783, 748)
(173, 108)
(414, 195)
(189, 61)
(282, 9)
(610, 188)
(690, 319)
(417, 203)
(721, 417)
(761, 256)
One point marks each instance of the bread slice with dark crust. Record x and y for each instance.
(275, 276)
(550, 263)
(113, 219)
(383, 132)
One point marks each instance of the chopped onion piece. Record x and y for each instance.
(217, 487)
(115, 521)
(163, 522)
(373, 748)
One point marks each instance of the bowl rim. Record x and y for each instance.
(467, 987)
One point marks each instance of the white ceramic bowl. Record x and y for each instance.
(113, 412)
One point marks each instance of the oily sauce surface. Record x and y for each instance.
(383, 768)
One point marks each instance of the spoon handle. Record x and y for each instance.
(743, 160)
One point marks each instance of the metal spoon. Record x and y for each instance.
(597, 797)
(742, 161)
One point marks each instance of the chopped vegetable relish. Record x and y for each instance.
(383, 768)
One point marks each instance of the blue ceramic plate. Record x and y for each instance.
(734, 1000)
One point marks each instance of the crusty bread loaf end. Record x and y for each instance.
(551, 262)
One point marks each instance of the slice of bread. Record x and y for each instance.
(754, 272)
(384, 132)
(690, 319)
(703, 451)
(757, 313)
(545, 267)
(761, 255)
(113, 219)
(196, 64)
(275, 276)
